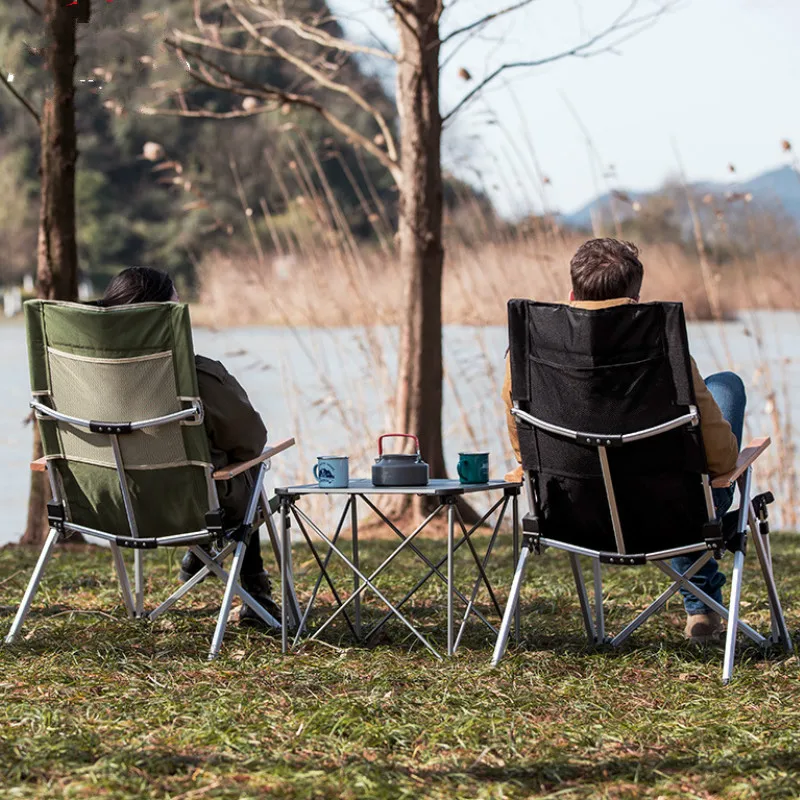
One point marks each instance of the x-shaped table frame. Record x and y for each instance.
(446, 492)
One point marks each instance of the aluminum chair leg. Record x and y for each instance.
(515, 536)
(124, 582)
(733, 616)
(138, 580)
(33, 585)
(583, 598)
(780, 632)
(600, 622)
(511, 607)
(685, 582)
(661, 600)
(196, 579)
(227, 600)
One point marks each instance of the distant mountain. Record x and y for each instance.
(777, 189)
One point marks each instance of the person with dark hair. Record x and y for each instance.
(607, 273)
(235, 431)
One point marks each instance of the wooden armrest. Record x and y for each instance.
(40, 465)
(745, 460)
(232, 470)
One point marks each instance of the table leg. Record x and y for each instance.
(515, 529)
(451, 512)
(356, 563)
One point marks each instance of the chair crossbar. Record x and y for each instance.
(609, 439)
(123, 427)
(616, 558)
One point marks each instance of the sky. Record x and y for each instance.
(710, 84)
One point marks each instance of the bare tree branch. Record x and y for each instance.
(321, 79)
(236, 85)
(202, 113)
(321, 37)
(484, 21)
(33, 112)
(36, 10)
(583, 50)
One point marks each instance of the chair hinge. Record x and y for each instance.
(241, 533)
(215, 523)
(113, 428)
(600, 441)
(137, 544)
(56, 515)
(760, 503)
(531, 536)
(619, 558)
(712, 535)
(530, 523)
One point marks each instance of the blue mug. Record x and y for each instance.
(332, 472)
(473, 467)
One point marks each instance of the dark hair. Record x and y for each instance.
(603, 269)
(139, 285)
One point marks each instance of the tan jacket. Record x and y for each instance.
(720, 443)
(235, 431)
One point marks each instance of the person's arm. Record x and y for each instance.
(232, 424)
(511, 424)
(722, 449)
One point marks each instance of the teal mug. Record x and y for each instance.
(473, 467)
(332, 472)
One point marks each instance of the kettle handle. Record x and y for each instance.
(403, 435)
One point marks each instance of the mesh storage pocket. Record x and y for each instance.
(117, 390)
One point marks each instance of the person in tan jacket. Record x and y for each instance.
(607, 273)
(235, 431)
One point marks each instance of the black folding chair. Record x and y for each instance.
(608, 393)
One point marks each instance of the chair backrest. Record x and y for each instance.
(610, 372)
(116, 367)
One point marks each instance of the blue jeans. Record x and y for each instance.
(728, 391)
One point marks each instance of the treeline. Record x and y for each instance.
(164, 190)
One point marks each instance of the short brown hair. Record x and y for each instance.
(603, 269)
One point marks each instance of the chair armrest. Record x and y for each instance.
(232, 470)
(745, 460)
(40, 465)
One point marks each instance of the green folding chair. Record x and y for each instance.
(116, 397)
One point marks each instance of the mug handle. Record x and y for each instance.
(316, 472)
(460, 473)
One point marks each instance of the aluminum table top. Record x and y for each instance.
(435, 487)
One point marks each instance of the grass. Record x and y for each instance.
(95, 706)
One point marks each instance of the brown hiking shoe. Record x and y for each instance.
(703, 627)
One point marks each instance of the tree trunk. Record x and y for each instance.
(418, 402)
(57, 256)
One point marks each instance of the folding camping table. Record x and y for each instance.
(446, 493)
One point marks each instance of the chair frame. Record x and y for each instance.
(230, 542)
(752, 515)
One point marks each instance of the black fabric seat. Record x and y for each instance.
(613, 459)
(609, 371)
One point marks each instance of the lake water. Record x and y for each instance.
(328, 388)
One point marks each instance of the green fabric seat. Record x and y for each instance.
(121, 364)
(116, 397)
